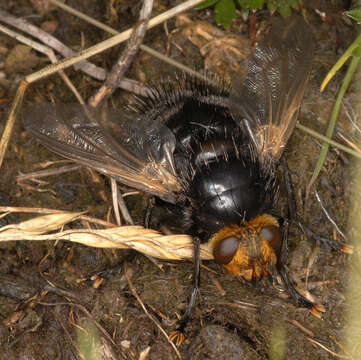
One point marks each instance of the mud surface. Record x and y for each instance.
(50, 307)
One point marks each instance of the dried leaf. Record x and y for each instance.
(21, 60)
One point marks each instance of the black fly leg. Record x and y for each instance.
(315, 309)
(196, 283)
(292, 208)
(337, 245)
(178, 335)
(148, 211)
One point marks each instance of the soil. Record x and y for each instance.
(50, 305)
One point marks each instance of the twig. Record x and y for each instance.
(218, 286)
(311, 261)
(63, 64)
(349, 143)
(114, 188)
(301, 327)
(143, 47)
(106, 44)
(44, 173)
(123, 209)
(134, 292)
(97, 221)
(85, 66)
(241, 305)
(329, 216)
(126, 58)
(325, 139)
(340, 356)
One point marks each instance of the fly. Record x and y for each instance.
(210, 149)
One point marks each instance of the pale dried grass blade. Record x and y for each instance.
(146, 241)
(41, 224)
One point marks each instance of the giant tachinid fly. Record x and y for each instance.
(210, 149)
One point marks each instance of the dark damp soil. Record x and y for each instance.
(50, 307)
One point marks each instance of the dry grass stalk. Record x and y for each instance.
(147, 241)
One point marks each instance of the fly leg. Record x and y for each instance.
(292, 209)
(178, 335)
(148, 211)
(337, 245)
(315, 309)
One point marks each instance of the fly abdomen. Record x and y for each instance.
(214, 151)
(225, 192)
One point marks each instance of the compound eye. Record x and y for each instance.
(225, 250)
(272, 234)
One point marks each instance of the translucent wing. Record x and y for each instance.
(140, 157)
(266, 104)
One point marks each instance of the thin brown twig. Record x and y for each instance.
(114, 188)
(44, 173)
(209, 269)
(85, 66)
(103, 45)
(311, 261)
(218, 286)
(153, 22)
(340, 345)
(301, 327)
(118, 201)
(340, 356)
(349, 143)
(125, 59)
(241, 305)
(97, 221)
(123, 208)
(134, 292)
(46, 51)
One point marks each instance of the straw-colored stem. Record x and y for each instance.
(143, 47)
(18, 100)
(106, 44)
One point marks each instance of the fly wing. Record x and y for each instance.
(266, 103)
(141, 157)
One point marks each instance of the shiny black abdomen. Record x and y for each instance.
(225, 193)
(225, 183)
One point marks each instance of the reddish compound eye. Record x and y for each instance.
(272, 234)
(225, 250)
